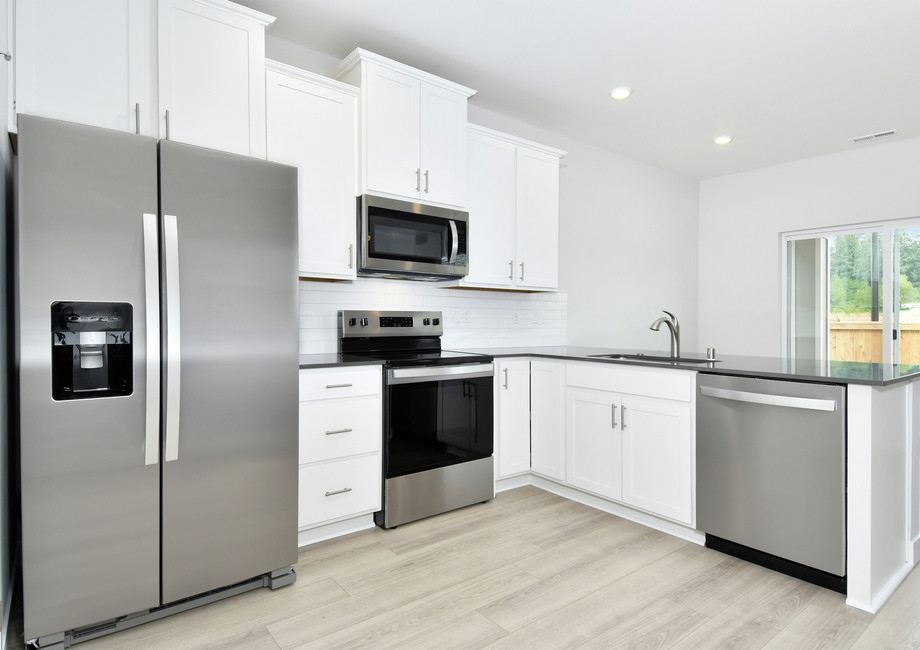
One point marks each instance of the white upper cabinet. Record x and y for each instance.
(412, 130)
(513, 201)
(122, 64)
(211, 62)
(82, 62)
(311, 124)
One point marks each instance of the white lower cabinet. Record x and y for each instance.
(340, 444)
(629, 436)
(512, 404)
(547, 419)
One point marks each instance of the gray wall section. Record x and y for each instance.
(6, 531)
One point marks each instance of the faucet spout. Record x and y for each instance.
(674, 329)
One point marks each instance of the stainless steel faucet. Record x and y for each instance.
(673, 325)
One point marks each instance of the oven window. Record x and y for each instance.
(438, 423)
(413, 238)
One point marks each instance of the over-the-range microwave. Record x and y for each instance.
(411, 241)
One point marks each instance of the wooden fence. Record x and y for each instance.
(862, 341)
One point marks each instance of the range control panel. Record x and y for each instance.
(363, 323)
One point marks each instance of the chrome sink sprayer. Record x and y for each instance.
(673, 325)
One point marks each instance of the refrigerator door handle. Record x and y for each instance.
(173, 348)
(152, 307)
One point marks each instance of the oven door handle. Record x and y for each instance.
(439, 373)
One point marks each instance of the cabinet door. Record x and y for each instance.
(658, 456)
(547, 419)
(490, 202)
(82, 62)
(392, 132)
(537, 223)
(593, 453)
(443, 145)
(211, 77)
(312, 127)
(513, 403)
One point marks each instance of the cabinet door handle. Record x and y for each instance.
(614, 409)
(332, 433)
(338, 385)
(342, 491)
(426, 181)
(623, 418)
(506, 378)
(522, 271)
(167, 124)
(418, 179)
(511, 270)
(351, 256)
(137, 119)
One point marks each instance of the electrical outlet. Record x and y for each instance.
(466, 315)
(533, 317)
(514, 316)
(458, 315)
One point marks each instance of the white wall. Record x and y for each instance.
(628, 243)
(742, 215)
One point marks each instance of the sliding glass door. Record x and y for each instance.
(853, 295)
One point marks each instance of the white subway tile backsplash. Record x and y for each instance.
(490, 322)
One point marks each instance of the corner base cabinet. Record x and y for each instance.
(340, 444)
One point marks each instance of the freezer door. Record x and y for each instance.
(230, 452)
(90, 501)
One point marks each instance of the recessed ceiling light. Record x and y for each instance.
(621, 93)
(723, 139)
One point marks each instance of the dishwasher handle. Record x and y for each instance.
(770, 400)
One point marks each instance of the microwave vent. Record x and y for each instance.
(873, 136)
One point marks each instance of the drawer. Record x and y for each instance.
(338, 489)
(329, 383)
(647, 382)
(339, 427)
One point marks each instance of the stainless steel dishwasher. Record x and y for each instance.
(771, 474)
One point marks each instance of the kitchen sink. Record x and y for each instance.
(652, 358)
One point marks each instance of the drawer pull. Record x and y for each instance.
(338, 385)
(332, 433)
(342, 491)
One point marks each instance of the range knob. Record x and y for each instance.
(426, 321)
(364, 322)
(436, 321)
(352, 322)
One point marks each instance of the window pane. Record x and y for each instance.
(906, 295)
(856, 293)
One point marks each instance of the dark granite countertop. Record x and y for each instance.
(333, 360)
(835, 372)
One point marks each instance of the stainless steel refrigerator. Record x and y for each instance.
(156, 355)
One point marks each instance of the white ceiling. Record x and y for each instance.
(787, 79)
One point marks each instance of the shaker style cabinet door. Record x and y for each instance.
(392, 147)
(212, 75)
(310, 124)
(443, 145)
(593, 442)
(490, 202)
(83, 62)
(547, 420)
(513, 385)
(537, 233)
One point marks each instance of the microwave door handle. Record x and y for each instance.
(454, 241)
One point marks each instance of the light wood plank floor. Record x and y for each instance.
(530, 570)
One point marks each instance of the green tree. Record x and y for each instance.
(909, 293)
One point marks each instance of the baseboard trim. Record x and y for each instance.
(335, 529)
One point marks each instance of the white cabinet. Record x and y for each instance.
(629, 436)
(311, 124)
(211, 68)
(513, 201)
(547, 419)
(594, 448)
(83, 62)
(122, 64)
(512, 404)
(340, 444)
(657, 436)
(412, 130)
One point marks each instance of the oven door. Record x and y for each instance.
(410, 238)
(437, 416)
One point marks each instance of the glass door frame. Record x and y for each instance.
(889, 320)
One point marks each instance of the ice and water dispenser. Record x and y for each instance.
(91, 349)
